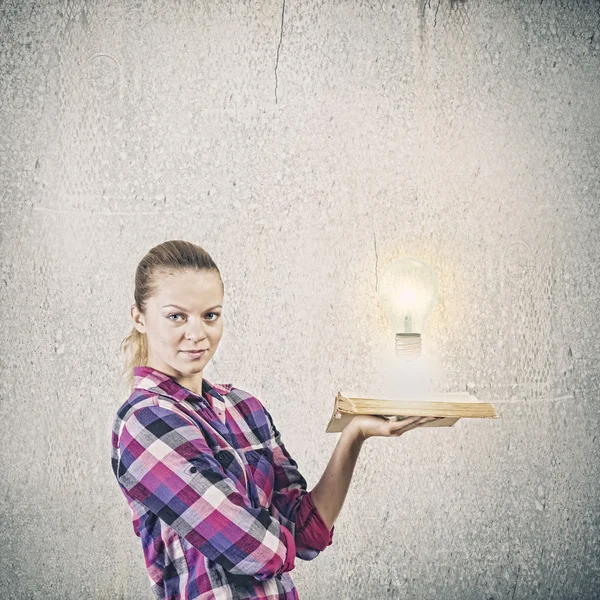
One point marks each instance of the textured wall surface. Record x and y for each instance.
(306, 145)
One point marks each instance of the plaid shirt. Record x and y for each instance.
(218, 502)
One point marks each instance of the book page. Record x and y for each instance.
(437, 397)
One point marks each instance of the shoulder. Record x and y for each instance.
(144, 404)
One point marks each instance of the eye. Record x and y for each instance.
(180, 314)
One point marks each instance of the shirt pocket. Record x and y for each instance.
(262, 474)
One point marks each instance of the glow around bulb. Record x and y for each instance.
(407, 291)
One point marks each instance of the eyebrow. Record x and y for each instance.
(186, 310)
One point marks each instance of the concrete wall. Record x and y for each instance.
(306, 145)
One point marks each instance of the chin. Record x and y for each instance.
(195, 363)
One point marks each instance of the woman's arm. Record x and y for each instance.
(330, 492)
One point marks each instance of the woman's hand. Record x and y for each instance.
(366, 426)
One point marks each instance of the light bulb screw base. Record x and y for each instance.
(408, 346)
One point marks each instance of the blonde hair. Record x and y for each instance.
(166, 259)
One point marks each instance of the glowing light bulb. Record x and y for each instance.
(407, 291)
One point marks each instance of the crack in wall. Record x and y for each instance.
(278, 47)
(436, 12)
(427, 4)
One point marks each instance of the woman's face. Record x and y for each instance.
(196, 322)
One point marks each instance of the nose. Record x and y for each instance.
(195, 333)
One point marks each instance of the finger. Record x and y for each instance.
(416, 422)
(403, 422)
(412, 420)
(406, 424)
(403, 430)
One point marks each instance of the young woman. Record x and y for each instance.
(219, 504)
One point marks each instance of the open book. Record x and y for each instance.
(452, 406)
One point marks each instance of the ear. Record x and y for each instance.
(138, 319)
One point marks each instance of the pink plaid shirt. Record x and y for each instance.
(219, 504)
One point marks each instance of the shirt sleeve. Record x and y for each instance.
(293, 503)
(166, 465)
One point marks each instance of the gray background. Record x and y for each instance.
(306, 145)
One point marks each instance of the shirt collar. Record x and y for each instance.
(148, 378)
